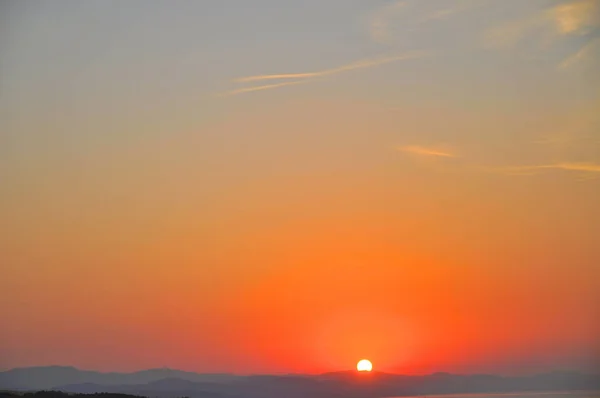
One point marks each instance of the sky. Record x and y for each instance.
(274, 186)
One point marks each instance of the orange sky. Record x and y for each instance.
(427, 200)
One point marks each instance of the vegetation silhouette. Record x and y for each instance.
(61, 394)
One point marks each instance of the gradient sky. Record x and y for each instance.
(288, 186)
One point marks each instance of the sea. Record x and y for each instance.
(537, 394)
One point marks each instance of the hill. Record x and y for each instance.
(349, 384)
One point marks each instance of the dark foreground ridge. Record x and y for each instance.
(167, 383)
(60, 394)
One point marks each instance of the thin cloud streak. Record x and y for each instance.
(419, 150)
(567, 166)
(309, 76)
(367, 63)
(582, 55)
(261, 88)
(276, 77)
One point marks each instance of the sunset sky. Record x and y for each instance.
(273, 186)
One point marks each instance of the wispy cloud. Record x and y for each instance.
(574, 131)
(380, 20)
(566, 166)
(585, 53)
(509, 33)
(261, 88)
(576, 16)
(304, 77)
(565, 18)
(365, 63)
(590, 167)
(424, 151)
(383, 19)
(276, 77)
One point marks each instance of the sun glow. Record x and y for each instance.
(364, 365)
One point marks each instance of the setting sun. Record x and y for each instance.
(364, 365)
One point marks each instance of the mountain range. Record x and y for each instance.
(168, 383)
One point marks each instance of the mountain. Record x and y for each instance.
(58, 394)
(350, 384)
(48, 377)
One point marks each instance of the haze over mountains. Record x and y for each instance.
(168, 383)
(48, 377)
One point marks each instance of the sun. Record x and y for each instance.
(364, 365)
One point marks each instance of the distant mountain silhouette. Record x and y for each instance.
(59, 394)
(350, 384)
(48, 377)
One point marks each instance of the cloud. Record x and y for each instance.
(276, 77)
(307, 76)
(419, 150)
(380, 20)
(366, 63)
(590, 167)
(261, 88)
(510, 33)
(567, 18)
(584, 54)
(575, 131)
(576, 16)
(566, 166)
